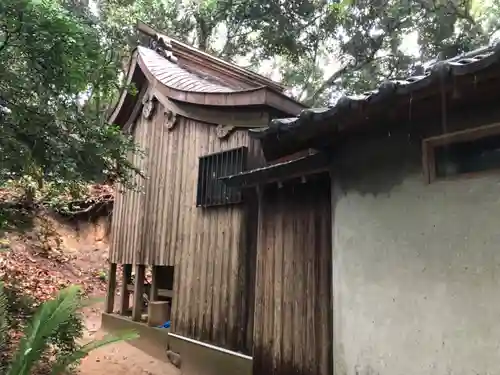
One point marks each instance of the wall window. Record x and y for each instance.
(211, 190)
(465, 152)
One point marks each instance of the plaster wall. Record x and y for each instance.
(416, 267)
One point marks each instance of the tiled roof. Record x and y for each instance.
(174, 76)
(466, 64)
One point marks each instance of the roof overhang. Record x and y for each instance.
(261, 96)
(257, 97)
(298, 168)
(392, 102)
(125, 93)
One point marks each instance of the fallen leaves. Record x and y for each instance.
(41, 277)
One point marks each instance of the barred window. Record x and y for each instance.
(211, 190)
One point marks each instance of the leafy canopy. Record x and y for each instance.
(58, 75)
(320, 48)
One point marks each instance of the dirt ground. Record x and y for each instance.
(75, 254)
(120, 358)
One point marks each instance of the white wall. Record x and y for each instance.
(416, 272)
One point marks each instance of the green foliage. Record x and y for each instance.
(305, 39)
(103, 275)
(301, 37)
(58, 75)
(56, 324)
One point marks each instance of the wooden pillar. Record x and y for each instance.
(153, 293)
(140, 272)
(111, 289)
(124, 293)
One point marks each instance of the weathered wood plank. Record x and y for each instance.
(162, 226)
(140, 271)
(111, 289)
(293, 311)
(124, 293)
(154, 292)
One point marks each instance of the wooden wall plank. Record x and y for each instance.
(293, 310)
(124, 293)
(111, 288)
(161, 225)
(138, 292)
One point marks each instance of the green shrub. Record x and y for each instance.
(53, 331)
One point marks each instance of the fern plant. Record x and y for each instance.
(50, 316)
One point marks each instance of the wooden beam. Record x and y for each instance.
(136, 110)
(467, 135)
(245, 118)
(167, 293)
(279, 172)
(111, 289)
(154, 284)
(124, 293)
(140, 272)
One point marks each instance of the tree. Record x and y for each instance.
(227, 28)
(301, 38)
(58, 73)
(371, 36)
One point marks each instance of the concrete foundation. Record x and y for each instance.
(153, 341)
(198, 358)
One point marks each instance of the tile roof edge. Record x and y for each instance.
(465, 64)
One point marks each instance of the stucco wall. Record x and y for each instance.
(416, 267)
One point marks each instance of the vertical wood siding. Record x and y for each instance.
(293, 311)
(207, 247)
(126, 225)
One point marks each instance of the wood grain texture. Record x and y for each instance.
(111, 288)
(293, 311)
(162, 226)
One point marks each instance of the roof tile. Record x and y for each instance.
(469, 63)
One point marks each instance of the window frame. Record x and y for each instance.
(200, 202)
(430, 144)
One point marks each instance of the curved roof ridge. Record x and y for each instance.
(175, 46)
(177, 77)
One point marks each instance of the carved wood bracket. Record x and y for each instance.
(223, 131)
(170, 118)
(149, 105)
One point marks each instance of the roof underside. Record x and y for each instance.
(358, 108)
(299, 167)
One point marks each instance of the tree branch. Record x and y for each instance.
(330, 81)
(312, 71)
(375, 45)
(231, 34)
(353, 67)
